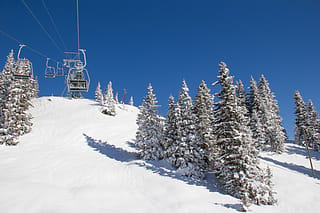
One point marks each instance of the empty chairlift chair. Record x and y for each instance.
(49, 71)
(59, 70)
(78, 78)
(24, 68)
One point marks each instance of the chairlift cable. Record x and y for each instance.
(78, 25)
(42, 27)
(54, 24)
(27, 46)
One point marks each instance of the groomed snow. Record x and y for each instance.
(78, 160)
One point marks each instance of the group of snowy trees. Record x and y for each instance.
(307, 124)
(16, 91)
(225, 136)
(108, 100)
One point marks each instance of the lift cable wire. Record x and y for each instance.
(54, 24)
(46, 32)
(78, 25)
(27, 46)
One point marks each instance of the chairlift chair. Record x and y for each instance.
(24, 68)
(59, 70)
(78, 79)
(49, 71)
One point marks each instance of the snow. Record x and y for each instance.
(77, 159)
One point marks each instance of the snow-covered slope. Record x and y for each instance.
(79, 160)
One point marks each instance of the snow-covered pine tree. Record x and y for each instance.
(131, 101)
(16, 97)
(255, 110)
(170, 133)
(149, 134)
(36, 87)
(258, 136)
(236, 166)
(271, 119)
(240, 93)
(5, 82)
(188, 157)
(109, 102)
(203, 109)
(313, 127)
(117, 98)
(98, 94)
(301, 114)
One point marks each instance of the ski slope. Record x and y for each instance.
(78, 160)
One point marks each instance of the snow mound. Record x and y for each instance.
(77, 159)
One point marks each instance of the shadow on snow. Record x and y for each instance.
(301, 150)
(294, 167)
(162, 167)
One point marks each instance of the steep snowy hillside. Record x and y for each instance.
(79, 160)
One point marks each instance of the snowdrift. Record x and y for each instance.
(77, 159)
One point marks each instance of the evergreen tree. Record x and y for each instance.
(36, 87)
(6, 81)
(170, 133)
(131, 101)
(16, 97)
(271, 119)
(236, 166)
(203, 109)
(188, 157)
(240, 93)
(117, 98)
(109, 102)
(313, 127)
(301, 113)
(149, 134)
(98, 94)
(255, 110)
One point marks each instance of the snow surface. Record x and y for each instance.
(77, 159)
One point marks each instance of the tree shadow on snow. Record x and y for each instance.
(110, 151)
(301, 150)
(162, 167)
(294, 167)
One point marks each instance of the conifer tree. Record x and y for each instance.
(240, 93)
(301, 118)
(170, 133)
(131, 101)
(149, 134)
(16, 97)
(98, 94)
(255, 110)
(203, 109)
(6, 81)
(271, 119)
(109, 102)
(313, 127)
(188, 157)
(117, 98)
(236, 166)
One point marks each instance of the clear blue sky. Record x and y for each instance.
(134, 42)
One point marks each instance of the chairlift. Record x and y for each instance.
(49, 71)
(59, 70)
(78, 80)
(24, 68)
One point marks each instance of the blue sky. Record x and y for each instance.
(132, 43)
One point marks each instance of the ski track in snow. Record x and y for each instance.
(78, 160)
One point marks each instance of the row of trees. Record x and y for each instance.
(225, 136)
(16, 90)
(307, 124)
(108, 100)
